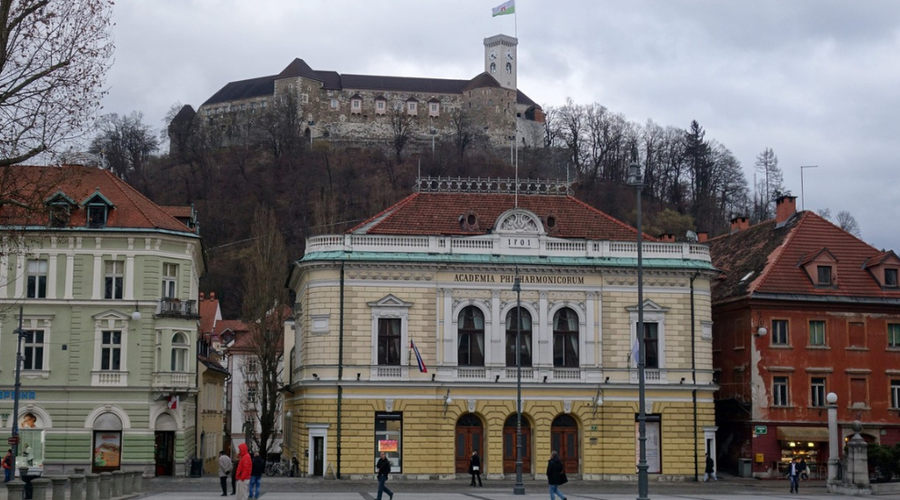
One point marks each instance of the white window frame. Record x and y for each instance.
(434, 109)
(110, 321)
(412, 107)
(653, 313)
(781, 392)
(895, 394)
(179, 354)
(817, 391)
(334, 104)
(390, 307)
(37, 269)
(169, 280)
(113, 269)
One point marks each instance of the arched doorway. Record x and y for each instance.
(164, 452)
(469, 438)
(564, 440)
(107, 455)
(509, 445)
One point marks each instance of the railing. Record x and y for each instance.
(471, 373)
(566, 374)
(109, 379)
(388, 372)
(177, 308)
(527, 373)
(491, 244)
(173, 379)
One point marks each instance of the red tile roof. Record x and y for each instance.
(210, 314)
(439, 214)
(766, 259)
(36, 184)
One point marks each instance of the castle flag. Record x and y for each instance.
(504, 8)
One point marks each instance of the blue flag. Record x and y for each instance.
(421, 363)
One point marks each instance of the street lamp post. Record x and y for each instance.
(519, 488)
(834, 449)
(20, 332)
(636, 180)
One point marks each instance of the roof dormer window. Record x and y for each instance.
(890, 278)
(821, 267)
(60, 207)
(97, 208)
(824, 275)
(884, 268)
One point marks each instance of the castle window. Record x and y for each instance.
(380, 107)
(493, 68)
(411, 107)
(356, 105)
(434, 109)
(334, 104)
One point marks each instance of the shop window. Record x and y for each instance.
(111, 350)
(389, 336)
(565, 338)
(37, 279)
(524, 337)
(817, 333)
(893, 335)
(653, 432)
(169, 281)
(389, 440)
(780, 392)
(114, 279)
(780, 332)
(470, 337)
(179, 352)
(34, 350)
(31, 441)
(107, 443)
(895, 394)
(817, 392)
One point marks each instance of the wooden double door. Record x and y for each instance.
(510, 447)
(564, 440)
(469, 438)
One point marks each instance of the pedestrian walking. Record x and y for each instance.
(224, 471)
(8, 466)
(242, 474)
(794, 475)
(234, 464)
(475, 468)
(804, 470)
(710, 470)
(556, 475)
(256, 472)
(384, 468)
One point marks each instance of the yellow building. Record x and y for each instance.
(435, 273)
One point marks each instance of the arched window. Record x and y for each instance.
(524, 330)
(470, 335)
(179, 352)
(565, 338)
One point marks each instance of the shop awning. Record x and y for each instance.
(802, 433)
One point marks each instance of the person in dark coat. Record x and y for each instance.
(384, 468)
(475, 468)
(794, 475)
(256, 472)
(710, 470)
(555, 475)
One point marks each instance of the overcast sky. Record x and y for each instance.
(817, 81)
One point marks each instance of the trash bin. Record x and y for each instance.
(745, 467)
(27, 474)
(196, 467)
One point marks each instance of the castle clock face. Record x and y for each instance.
(493, 54)
(509, 55)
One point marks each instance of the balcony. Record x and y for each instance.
(173, 379)
(109, 378)
(177, 308)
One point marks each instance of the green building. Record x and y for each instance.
(104, 284)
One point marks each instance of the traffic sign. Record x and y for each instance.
(13, 440)
(760, 429)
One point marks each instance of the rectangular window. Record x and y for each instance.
(817, 392)
(890, 278)
(780, 391)
(388, 439)
(895, 394)
(357, 104)
(893, 334)
(379, 105)
(859, 393)
(33, 345)
(651, 345)
(817, 333)
(114, 278)
(824, 274)
(169, 280)
(334, 104)
(96, 216)
(389, 341)
(780, 332)
(857, 334)
(304, 98)
(111, 351)
(411, 108)
(251, 394)
(37, 279)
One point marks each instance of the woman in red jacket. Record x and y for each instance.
(242, 473)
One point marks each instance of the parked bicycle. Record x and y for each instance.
(282, 468)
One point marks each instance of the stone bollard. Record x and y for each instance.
(91, 487)
(138, 482)
(59, 487)
(105, 485)
(39, 488)
(117, 483)
(127, 483)
(15, 490)
(77, 485)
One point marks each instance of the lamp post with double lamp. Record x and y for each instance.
(636, 180)
(519, 488)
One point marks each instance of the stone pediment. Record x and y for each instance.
(389, 300)
(519, 221)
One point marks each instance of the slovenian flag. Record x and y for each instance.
(421, 363)
(504, 9)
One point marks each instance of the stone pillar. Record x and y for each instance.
(857, 462)
(105, 485)
(127, 483)
(39, 488)
(91, 487)
(77, 487)
(15, 490)
(139, 482)
(117, 483)
(59, 487)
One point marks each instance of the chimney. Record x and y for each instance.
(702, 236)
(785, 207)
(201, 295)
(212, 295)
(739, 224)
(667, 238)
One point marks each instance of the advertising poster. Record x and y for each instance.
(387, 445)
(107, 449)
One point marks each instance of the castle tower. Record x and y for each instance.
(501, 60)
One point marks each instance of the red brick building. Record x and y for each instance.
(802, 309)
